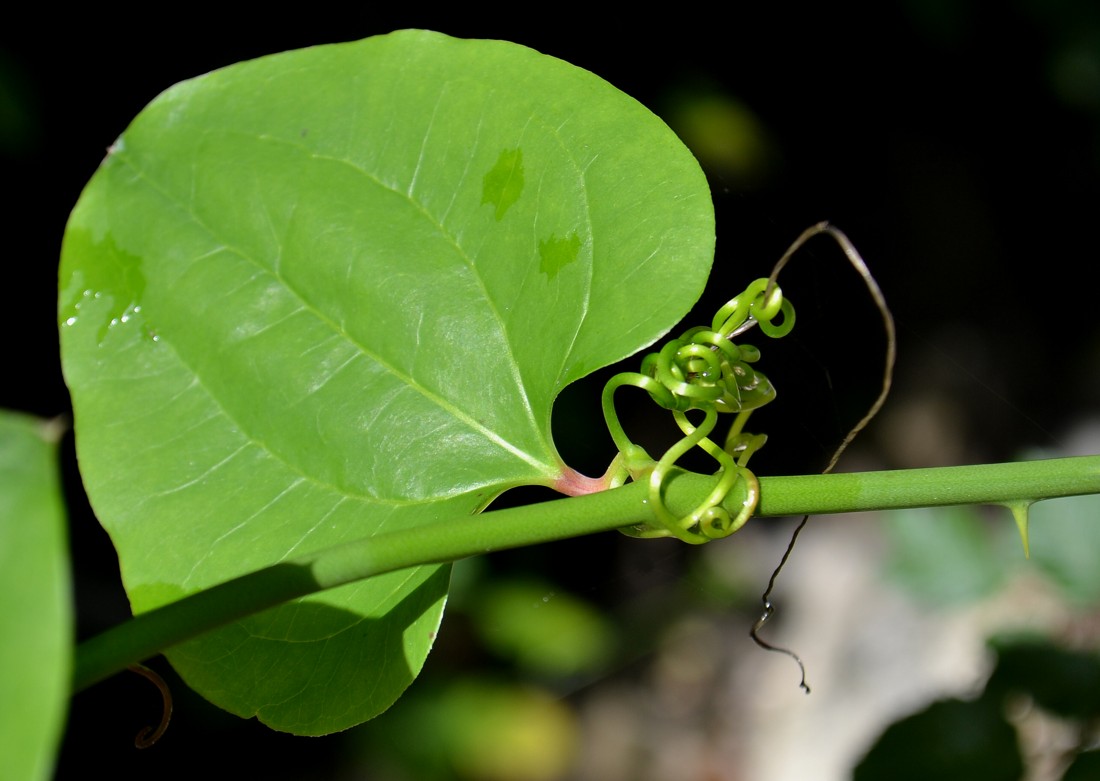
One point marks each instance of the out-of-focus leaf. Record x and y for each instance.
(726, 136)
(942, 555)
(544, 630)
(501, 732)
(474, 729)
(36, 632)
(1062, 681)
(1065, 541)
(950, 740)
(1085, 767)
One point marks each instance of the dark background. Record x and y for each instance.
(956, 143)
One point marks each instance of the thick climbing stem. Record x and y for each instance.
(456, 538)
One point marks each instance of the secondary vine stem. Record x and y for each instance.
(456, 538)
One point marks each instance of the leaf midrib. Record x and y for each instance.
(546, 469)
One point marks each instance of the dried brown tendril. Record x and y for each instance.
(857, 263)
(149, 735)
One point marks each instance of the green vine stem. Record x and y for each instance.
(455, 538)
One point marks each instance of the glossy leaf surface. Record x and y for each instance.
(36, 632)
(334, 291)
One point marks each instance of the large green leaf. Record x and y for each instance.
(35, 609)
(336, 290)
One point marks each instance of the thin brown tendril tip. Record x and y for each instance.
(765, 598)
(857, 263)
(148, 736)
(887, 380)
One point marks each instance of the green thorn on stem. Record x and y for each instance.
(1019, 512)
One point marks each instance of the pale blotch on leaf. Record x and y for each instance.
(503, 185)
(555, 253)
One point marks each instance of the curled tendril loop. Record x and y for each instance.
(703, 370)
(760, 303)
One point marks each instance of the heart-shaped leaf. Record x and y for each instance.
(334, 291)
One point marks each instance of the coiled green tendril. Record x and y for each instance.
(703, 370)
